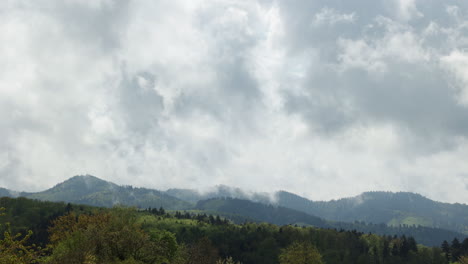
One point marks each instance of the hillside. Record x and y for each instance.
(261, 212)
(394, 209)
(7, 193)
(91, 190)
(218, 191)
(142, 236)
(405, 213)
(279, 215)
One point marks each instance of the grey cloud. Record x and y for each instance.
(302, 94)
(139, 102)
(414, 95)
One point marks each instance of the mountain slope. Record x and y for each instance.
(7, 193)
(278, 215)
(261, 212)
(395, 209)
(91, 190)
(219, 191)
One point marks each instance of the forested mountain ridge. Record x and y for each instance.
(91, 190)
(83, 234)
(261, 212)
(404, 211)
(7, 193)
(402, 208)
(279, 215)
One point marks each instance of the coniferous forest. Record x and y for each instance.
(49, 232)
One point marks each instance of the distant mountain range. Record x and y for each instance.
(241, 210)
(391, 213)
(93, 191)
(393, 209)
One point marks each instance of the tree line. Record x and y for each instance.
(77, 234)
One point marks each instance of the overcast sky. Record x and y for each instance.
(324, 98)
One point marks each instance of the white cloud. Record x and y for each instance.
(408, 10)
(457, 64)
(398, 44)
(181, 94)
(330, 16)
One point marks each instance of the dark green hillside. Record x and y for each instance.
(384, 207)
(94, 191)
(25, 214)
(260, 212)
(283, 216)
(405, 213)
(125, 235)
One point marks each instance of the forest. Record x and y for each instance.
(49, 232)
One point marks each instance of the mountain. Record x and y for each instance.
(278, 215)
(404, 213)
(219, 191)
(260, 212)
(91, 190)
(8, 193)
(395, 209)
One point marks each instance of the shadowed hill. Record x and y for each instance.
(260, 212)
(279, 215)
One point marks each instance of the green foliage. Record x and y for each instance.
(108, 237)
(227, 260)
(132, 236)
(241, 210)
(300, 253)
(14, 248)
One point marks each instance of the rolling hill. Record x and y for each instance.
(279, 215)
(393, 209)
(91, 190)
(377, 212)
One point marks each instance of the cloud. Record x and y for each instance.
(323, 98)
(331, 17)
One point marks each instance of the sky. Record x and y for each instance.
(323, 98)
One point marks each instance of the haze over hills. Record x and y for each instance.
(218, 191)
(402, 208)
(404, 211)
(395, 209)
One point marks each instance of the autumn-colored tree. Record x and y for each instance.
(300, 253)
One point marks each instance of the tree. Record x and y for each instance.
(300, 253)
(14, 249)
(446, 249)
(114, 237)
(203, 252)
(227, 260)
(456, 249)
